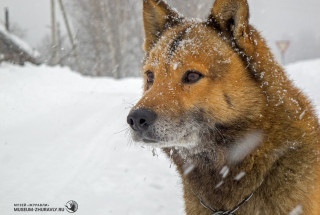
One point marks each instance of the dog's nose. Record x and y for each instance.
(141, 119)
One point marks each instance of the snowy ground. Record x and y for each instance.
(63, 137)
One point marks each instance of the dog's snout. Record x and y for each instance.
(141, 119)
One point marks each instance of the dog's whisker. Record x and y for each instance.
(124, 130)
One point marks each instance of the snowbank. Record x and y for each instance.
(306, 76)
(64, 137)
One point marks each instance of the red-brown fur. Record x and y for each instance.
(243, 90)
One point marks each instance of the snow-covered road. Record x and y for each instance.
(64, 137)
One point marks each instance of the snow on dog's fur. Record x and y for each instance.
(215, 100)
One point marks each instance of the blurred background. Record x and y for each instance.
(105, 37)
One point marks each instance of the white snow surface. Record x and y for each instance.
(306, 76)
(64, 137)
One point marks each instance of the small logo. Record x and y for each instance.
(72, 206)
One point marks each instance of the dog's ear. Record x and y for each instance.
(157, 17)
(232, 17)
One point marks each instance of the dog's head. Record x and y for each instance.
(194, 77)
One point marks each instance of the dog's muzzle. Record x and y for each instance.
(140, 120)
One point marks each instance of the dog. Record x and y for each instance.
(243, 138)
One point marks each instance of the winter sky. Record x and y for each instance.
(276, 19)
(32, 15)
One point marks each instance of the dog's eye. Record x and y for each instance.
(191, 77)
(150, 77)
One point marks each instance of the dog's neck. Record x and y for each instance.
(207, 175)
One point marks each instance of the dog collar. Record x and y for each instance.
(231, 212)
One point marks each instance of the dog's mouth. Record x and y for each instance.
(149, 141)
(184, 139)
(147, 137)
(165, 140)
(165, 132)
